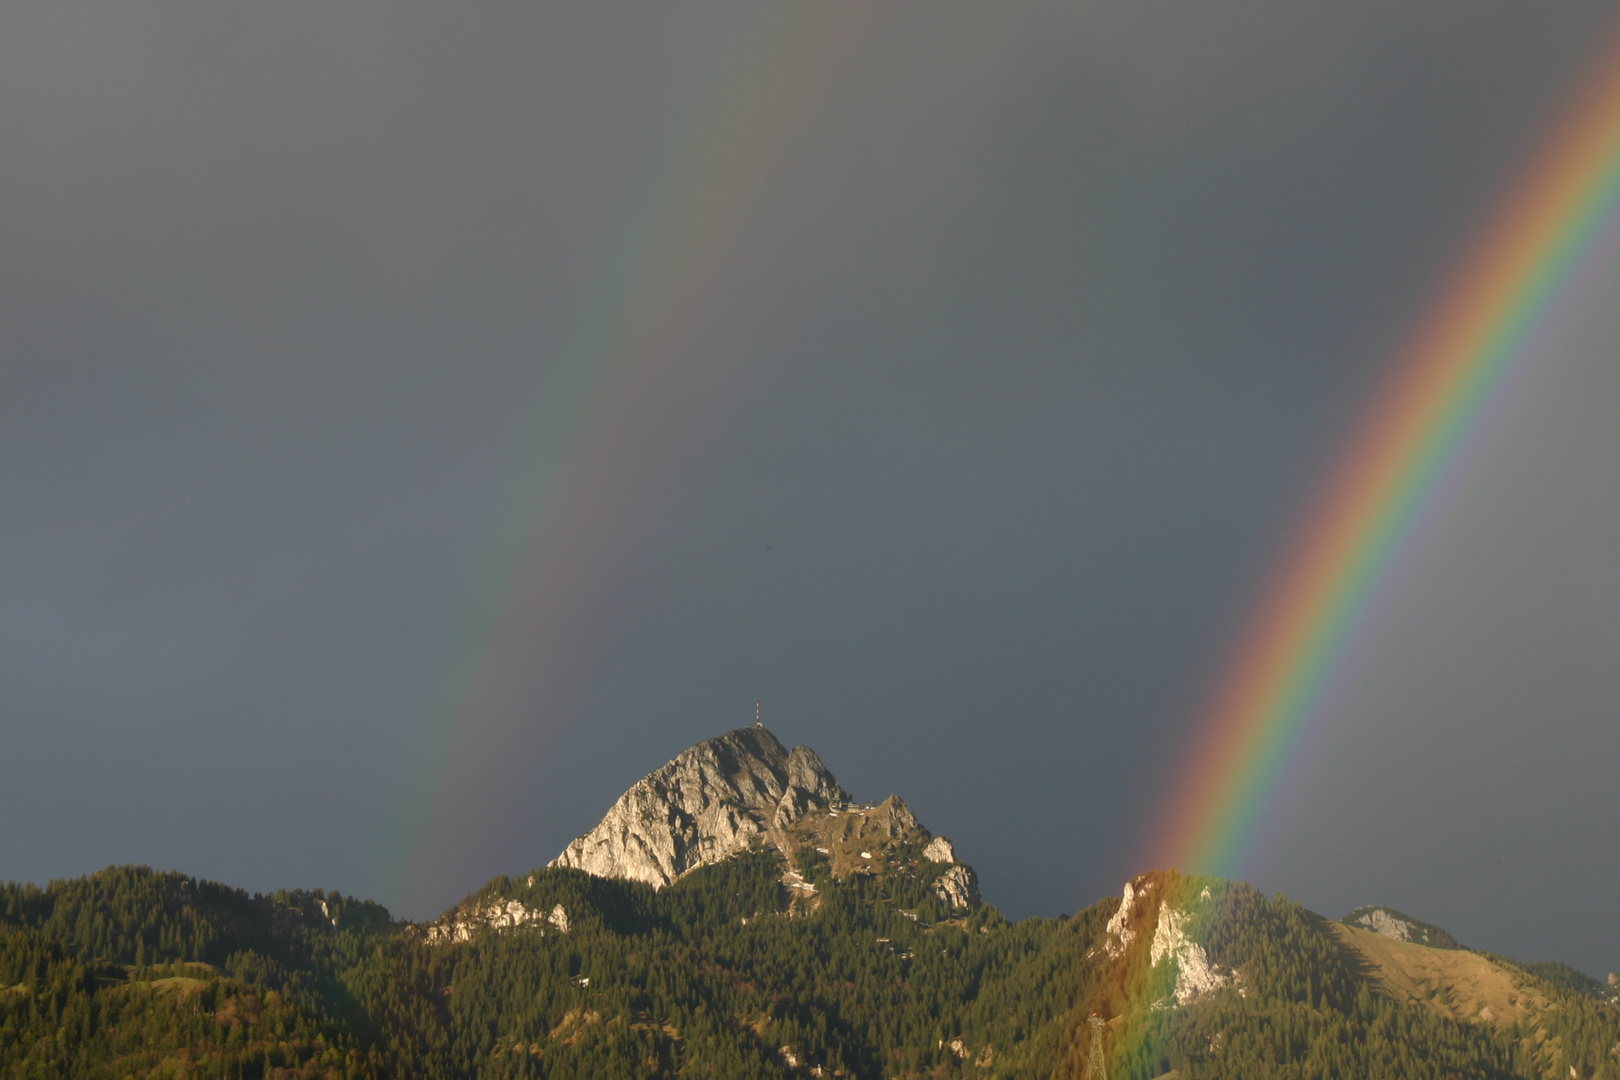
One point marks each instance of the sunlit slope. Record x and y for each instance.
(1555, 1032)
(1454, 983)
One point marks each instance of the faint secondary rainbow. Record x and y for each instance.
(1507, 288)
(626, 401)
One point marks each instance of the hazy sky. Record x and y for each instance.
(417, 424)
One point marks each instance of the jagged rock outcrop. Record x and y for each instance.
(1195, 976)
(462, 924)
(1120, 932)
(1380, 921)
(939, 849)
(717, 799)
(1143, 899)
(958, 887)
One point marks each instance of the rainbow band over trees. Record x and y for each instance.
(1553, 224)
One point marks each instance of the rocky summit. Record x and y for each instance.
(744, 790)
(712, 801)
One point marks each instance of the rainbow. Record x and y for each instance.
(628, 400)
(1524, 266)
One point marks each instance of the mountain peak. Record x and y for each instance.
(711, 801)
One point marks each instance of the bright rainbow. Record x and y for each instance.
(1552, 225)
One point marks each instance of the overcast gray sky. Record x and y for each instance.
(993, 354)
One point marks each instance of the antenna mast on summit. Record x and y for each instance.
(757, 721)
(1095, 1067)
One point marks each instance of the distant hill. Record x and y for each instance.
(1565, 977)
(1392, 924)
(835, 939)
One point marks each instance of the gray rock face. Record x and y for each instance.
(958, 887)
(1382, 922)
(809, 785)
(463, 923)
(711, 802)
(1195, 975)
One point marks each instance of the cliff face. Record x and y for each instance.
(711, 802)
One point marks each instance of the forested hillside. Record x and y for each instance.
(726, 973)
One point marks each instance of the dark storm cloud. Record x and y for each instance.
(1043, 326)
